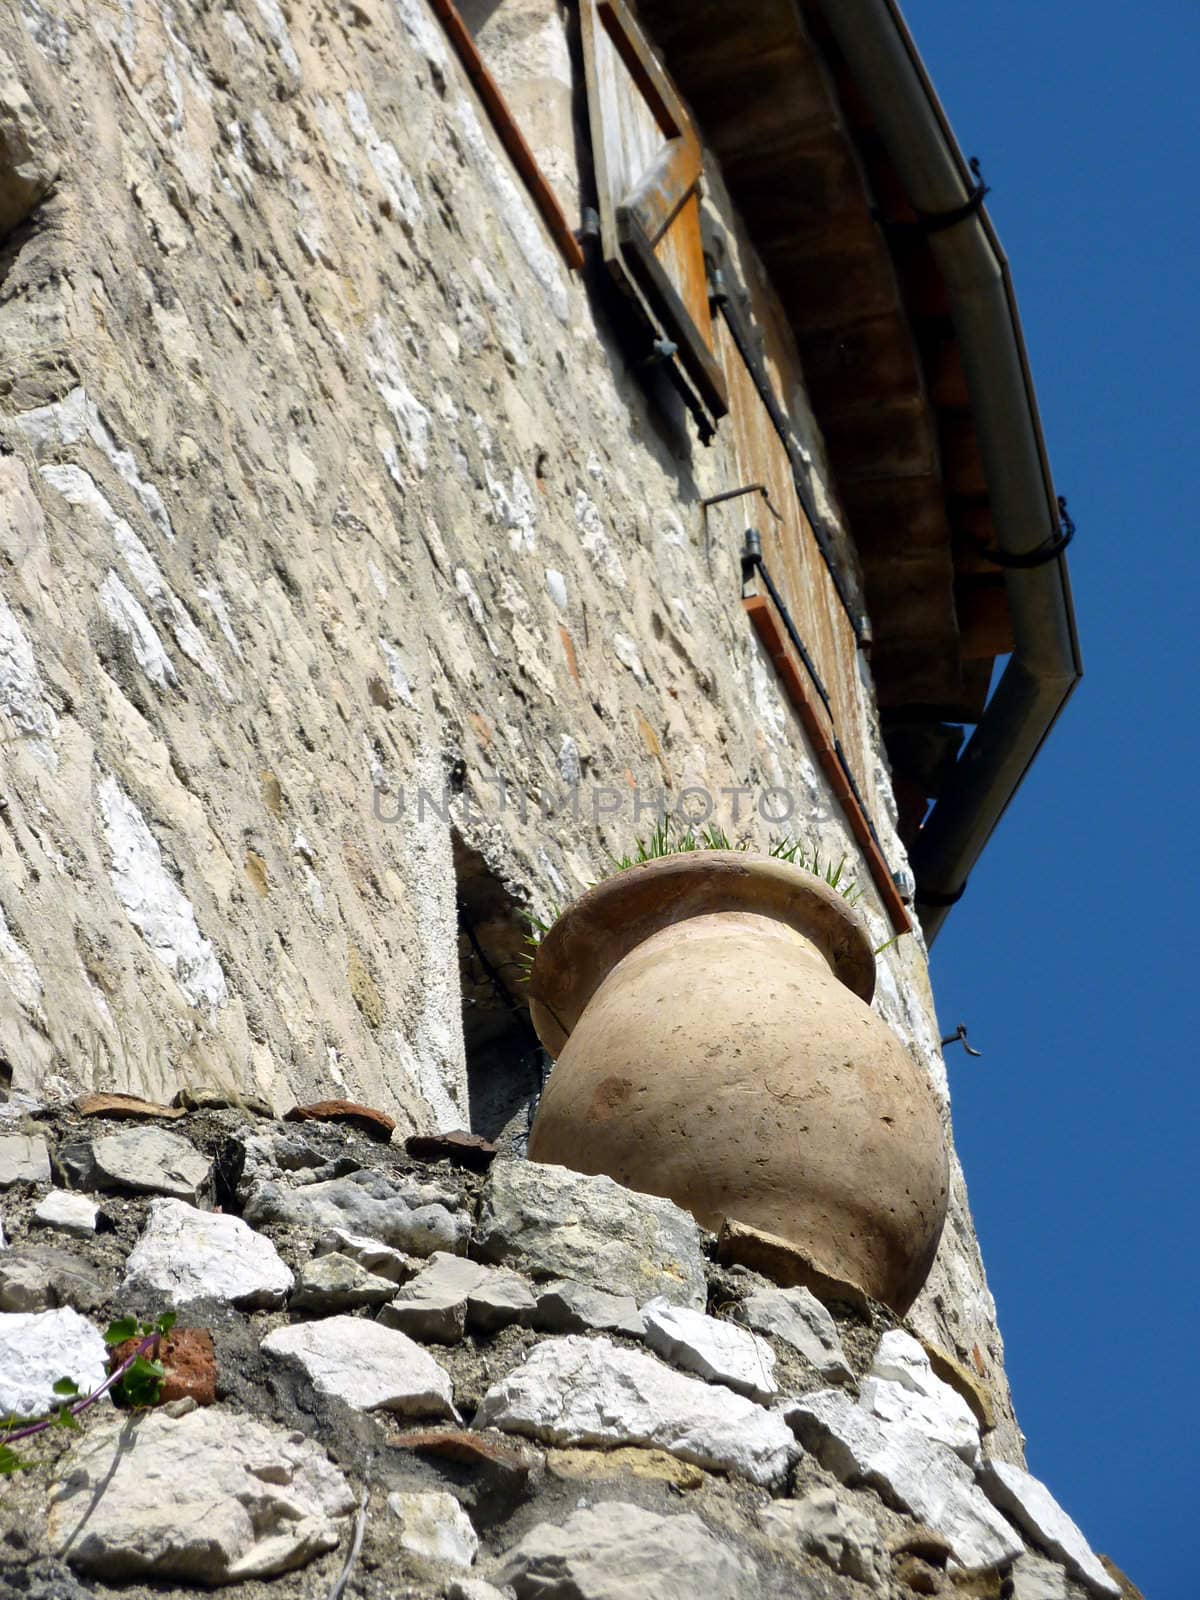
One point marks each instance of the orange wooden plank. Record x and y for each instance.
(511, 137)
(769, 627)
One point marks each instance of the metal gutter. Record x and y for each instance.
(1045, 664)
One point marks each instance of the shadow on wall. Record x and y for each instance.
(506, 1065)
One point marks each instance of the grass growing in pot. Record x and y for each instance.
(669, 838)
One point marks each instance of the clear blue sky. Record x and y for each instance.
(1070, 958)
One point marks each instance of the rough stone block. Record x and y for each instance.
(39, 1348)
(368, 1366)
(554, 1223)
(186, 1254)
(1028, 1502)
(799, 1319)
(721, 1352)
(24, 1158)
(589, 1391)
(909, 1470)
(618, 1551)
(209, 1497)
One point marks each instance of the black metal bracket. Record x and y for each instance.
(959, 1036)
(940, 898)
(742, 333)
(736, 494)
(938, 221)
(1042, 553)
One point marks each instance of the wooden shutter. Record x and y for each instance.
(647, 164)
(819, 667)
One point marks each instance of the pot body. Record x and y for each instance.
(720, 1060)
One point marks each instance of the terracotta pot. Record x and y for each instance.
(710, 1017)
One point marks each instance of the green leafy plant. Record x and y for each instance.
(136, 1382)
(669, 837)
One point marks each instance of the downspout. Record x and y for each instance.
(1045, 664)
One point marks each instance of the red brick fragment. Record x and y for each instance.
(365, 1118)
(460, 1147)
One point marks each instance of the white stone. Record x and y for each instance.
(335, 1282)
(69, 1212)
(410, 1216)
(150, 1160)
(566, 1306)
(828, 1524)
(372, 1254)
(186, 1254)
(209, 1497)
(37, 1348)
(618, 1551)
(1035, 1578)
(368, 1366)
(24, 1158)
(903, 1387)
(153, 901)
(435, 1527)
(1027, 1502)
(452, 1291)
(910, 1471)
(554, 1223)
(714, 1349)
(799, 1319)
(588, 1391)
(476, 1589)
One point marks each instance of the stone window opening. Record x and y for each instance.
(506, 1065)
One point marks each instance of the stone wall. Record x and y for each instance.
(397, 1377)
(324, 481)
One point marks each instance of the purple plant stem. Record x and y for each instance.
(32, 1428)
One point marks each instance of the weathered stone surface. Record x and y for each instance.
(476, 1589)
(205, 1498)
(554, 1223)
(186, 1254)
(588, 1391)
(952, 1371)
(830, 1525)
(629, 1461)
(619, 1551)
(39, 1348)
(68, 1212)
(798, 1318)
(738, 1244)
(1027, 1502)
(36, 1277)
(452, 1291)
(1035, 1578)
(901, 1387)
(150, 1160)
(24, 1158)
(335, 1282)
(909, 1470)
(213, 1097)
(567, 1306)
(714, 1349)
(28, 164)
(126, 1105)
(368, 1366)
(376, 1124)
(420, 1218)
(434, 1527)
(371, 1254)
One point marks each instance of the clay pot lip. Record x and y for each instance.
(610, 919)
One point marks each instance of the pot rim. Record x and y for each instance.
(614, 916)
